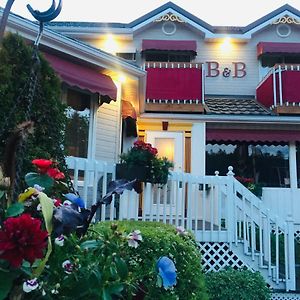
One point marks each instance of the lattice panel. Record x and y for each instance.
(297, 237)
(217, 256)
(285, 296)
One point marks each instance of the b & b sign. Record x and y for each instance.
(238, 70)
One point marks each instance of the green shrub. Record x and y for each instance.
(240, 284)
(162, 240)
(106, 267)
(48, 111)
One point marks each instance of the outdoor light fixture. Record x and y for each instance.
(110, 44)
(226, 45)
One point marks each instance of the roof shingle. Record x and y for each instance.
(234, 106)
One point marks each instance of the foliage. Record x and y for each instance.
(144, 155)
(159, 240)
(249, 183)
(47, 109)
(38, 223)
(239, 284)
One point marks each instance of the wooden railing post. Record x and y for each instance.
(230, 206)
(290, 247)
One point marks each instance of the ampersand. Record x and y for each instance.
(226, 72)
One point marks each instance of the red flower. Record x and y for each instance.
(22, 238)
(42, 164)
(55, 173)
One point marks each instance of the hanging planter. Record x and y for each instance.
(131, 172)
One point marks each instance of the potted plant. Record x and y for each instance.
(142, 163)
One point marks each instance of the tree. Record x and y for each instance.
(47, 110)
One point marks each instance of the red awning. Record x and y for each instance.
(270, 47)
(83, 77)
(128, 110)
(169, 45)
(174, 84)
(239, 135)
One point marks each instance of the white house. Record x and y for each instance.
(208, 97)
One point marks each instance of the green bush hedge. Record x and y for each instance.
(162, 240)
(240, 284)
(104, 266)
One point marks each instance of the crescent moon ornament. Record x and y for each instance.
(47, 15)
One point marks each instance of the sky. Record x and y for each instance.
(214, 12)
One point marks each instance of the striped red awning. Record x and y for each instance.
(82, 77)
(249, 135)
(272, 47)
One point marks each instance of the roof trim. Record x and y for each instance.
(72, 47)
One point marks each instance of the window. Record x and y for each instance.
(79, 118)
(273, 59)
(169, 56)
(268, 165)
(127, 56)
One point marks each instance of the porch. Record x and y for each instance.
(233, 226)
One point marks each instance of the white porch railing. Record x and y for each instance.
(216, 208)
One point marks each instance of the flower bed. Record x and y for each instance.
(48, 249)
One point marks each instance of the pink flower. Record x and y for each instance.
(134, 238)
(181, 231)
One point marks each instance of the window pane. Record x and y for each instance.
(267, 165)
(77, 130)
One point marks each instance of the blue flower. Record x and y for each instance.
(167, 271)
(75, 199)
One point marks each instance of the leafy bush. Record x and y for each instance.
(47, 111)
(119, 260)
(240, 284)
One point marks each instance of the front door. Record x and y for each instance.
(170, 145)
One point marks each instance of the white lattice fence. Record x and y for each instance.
(217, 256)
(285, 296)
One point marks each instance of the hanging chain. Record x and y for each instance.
(21, 149)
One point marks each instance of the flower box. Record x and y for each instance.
(141, 173)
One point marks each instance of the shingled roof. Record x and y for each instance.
(234, 106)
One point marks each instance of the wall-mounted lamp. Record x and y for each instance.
(165, 125)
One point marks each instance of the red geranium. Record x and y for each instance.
(22, 238)
(55, 173)
(42, 164)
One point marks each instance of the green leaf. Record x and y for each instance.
(2, 193)
(113, 272)
(6, 283)
(116, 289)
(159, 281)
(91, 244)
(106, 294)
(42, 180)
(47, 210)
(122, 268)
(15, 210)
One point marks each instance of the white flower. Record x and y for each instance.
(59, 241)
(68, 266)
(133, 238)
(67, 202)
(38, 188)
(181, 231)
(30, 285)
(39, 207)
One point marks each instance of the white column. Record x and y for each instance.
(293, 165)
(198, 142)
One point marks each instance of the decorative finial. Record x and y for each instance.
(217, 173)
(230, 171)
